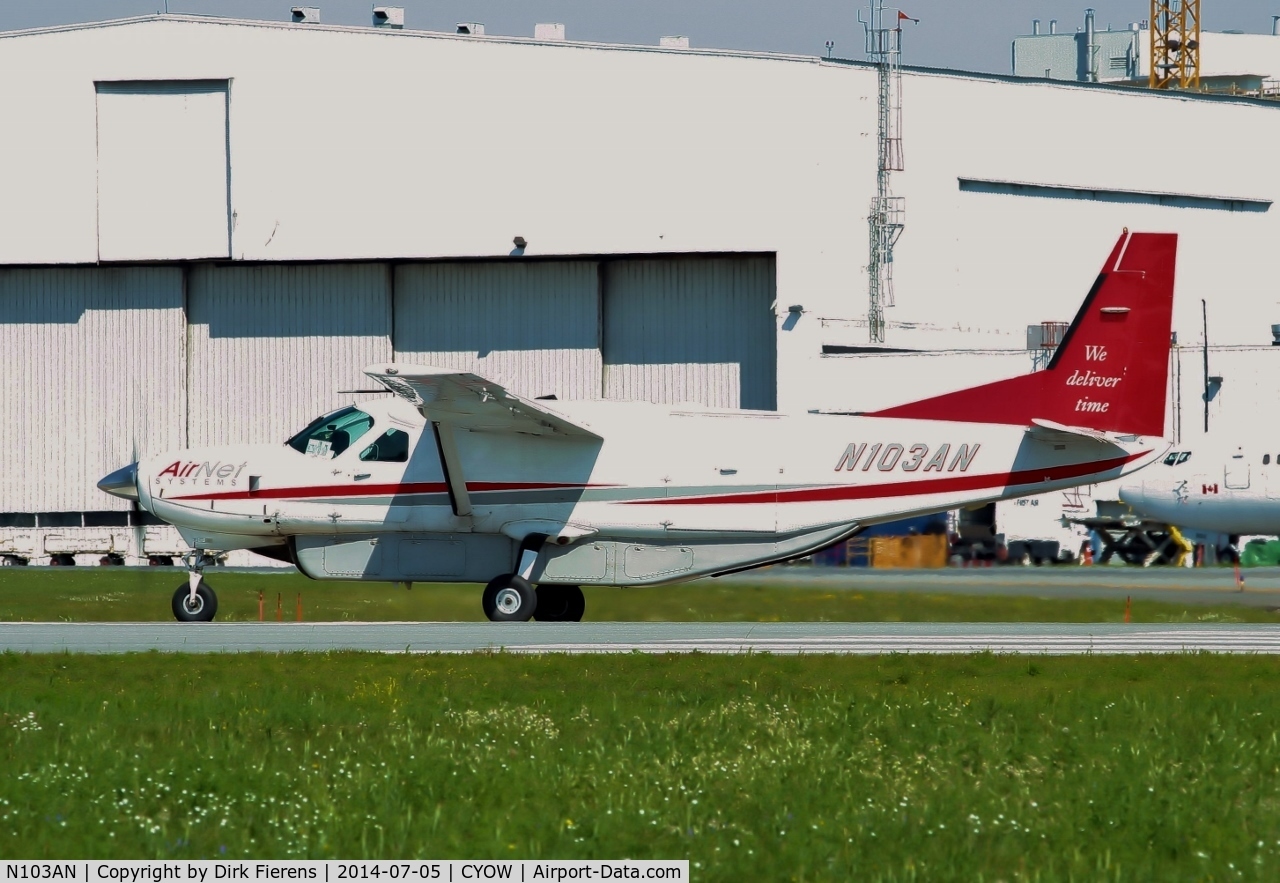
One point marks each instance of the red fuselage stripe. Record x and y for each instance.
(828, 493)
(917, 487)
(381, 490)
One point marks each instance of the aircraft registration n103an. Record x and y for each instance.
(454, 478)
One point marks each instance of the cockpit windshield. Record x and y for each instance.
(328, 436)
(1177, 458)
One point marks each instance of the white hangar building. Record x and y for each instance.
(208, 227)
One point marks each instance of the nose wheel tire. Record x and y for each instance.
(509, 598)
(201, 609)
(560, 604)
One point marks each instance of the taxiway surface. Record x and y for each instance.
(622, 637)
(1176, 585)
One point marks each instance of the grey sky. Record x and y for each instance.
(967, 34)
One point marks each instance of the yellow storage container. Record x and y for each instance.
(919, 551)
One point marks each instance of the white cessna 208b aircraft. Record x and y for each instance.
(456, 479)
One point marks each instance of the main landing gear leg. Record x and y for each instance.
(194, 600)
(511, 597)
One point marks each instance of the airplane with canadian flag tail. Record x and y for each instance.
(454, 479)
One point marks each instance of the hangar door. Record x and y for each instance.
(163, 170)
(270, 347)
(532, 326)
(92, 362)
(691, 329)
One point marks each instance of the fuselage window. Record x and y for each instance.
(328, 436)
(391, 447)
(1266, 459)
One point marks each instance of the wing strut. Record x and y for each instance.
(459, 499)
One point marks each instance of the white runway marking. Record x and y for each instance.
(621, 637)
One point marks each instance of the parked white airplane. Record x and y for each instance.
(457, 479)
(1232, 492)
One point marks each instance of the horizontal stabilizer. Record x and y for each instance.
(1047, 430)
(468, 401)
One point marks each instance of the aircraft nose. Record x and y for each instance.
(122, 483)
(1134, 495)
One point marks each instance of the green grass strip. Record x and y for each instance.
(141, 595)
(753, 767)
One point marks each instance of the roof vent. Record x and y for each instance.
(388, 17)
(470, 28)
(307, 15)
(553, 31)
(673, 42)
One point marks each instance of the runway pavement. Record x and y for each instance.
(621, 637)
(1178, 585)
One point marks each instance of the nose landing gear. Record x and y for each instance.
(194, 601)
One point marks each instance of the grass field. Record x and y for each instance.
(753, 767)
(140, 595)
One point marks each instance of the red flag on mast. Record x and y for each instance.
(902, 16)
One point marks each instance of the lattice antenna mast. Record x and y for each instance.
(888, 212)
(1175, 44)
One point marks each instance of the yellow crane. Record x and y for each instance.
(1175, 44)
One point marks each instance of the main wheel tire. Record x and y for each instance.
(560, 604)
(202, 609)
(509, 598)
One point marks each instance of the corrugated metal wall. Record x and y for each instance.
(92, 361)
(101, 365)
(533, 327)
(271, 346)
(691, 330)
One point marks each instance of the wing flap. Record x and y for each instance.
(469, 401)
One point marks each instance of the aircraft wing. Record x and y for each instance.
(468, 401)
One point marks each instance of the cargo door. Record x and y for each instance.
(1236, 473)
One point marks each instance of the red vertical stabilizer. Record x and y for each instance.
(1111, 371)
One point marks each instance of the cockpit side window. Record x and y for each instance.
(391, 447)
(328, 436)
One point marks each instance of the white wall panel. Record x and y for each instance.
(92, 361)
(534, 327)
(685, 151)
(271, 346)
(691, 330)
(1242, 410)
(163, 171)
